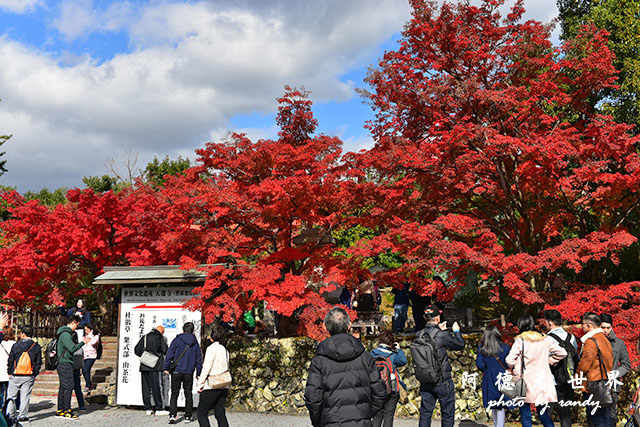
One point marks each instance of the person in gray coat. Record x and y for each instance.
(621, 362)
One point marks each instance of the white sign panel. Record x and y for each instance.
(141, 310)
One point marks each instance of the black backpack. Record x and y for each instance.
(51, 354)
(563, 370)
(426, 363)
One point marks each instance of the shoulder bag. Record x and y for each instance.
(515, 389)
(174, 363)
(600, 389)
(148, 359)
(222, 380)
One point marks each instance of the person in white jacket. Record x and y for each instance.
(216, 361)
(90, 354)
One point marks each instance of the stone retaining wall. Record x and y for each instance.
(270, 376)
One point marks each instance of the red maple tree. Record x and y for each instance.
(51, 254)
(260, 215)
(489, 157)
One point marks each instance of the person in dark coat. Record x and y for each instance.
(81, 311)
(621, 362)
(185, 352)
(344, 387)
(400, 307)
(444, 390)
(155, 344)
(491, 362)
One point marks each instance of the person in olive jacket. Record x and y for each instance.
(344, 387)
(65, 351)
(156, 344)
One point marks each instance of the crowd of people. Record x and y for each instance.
(347, 386)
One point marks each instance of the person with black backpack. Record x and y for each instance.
(433, 368)
(388, 356)
(25, 361)
(564, 370)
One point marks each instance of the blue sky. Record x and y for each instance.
(82, 82)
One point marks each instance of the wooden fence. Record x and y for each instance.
(45, 323)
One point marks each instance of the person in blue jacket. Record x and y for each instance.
(390, 349)
(81, 311)
(491, 361)
(186, 355)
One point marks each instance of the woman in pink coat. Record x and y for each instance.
(539, 353)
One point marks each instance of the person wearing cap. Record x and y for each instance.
(444, 390)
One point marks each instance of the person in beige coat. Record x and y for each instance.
(216, 361)
(538, 354)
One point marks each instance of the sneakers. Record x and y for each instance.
(162, 412)
(68, 414)
(187, 419)
(23, 419)
(149, 411)
(172, 419)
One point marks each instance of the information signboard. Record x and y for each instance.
(141, 310)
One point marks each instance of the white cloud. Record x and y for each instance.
(77, 19)
(193, 67)
(19, 6)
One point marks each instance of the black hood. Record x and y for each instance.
(341, 348)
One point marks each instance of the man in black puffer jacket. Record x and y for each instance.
(344, 386)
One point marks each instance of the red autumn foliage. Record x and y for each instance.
(489, 156)
(53, 253)
(251, 202)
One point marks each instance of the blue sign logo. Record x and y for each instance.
(170, 323)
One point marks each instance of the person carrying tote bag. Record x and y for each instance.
(214, 382)
(533, 351)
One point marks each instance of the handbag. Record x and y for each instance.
(218, 381)
(148, 359)
(600, 389)
(222, 380)
(515, 389)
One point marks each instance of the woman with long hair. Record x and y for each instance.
(492, 353)
(216, 362)
(90, 354)
(538, 353)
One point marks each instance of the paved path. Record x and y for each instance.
(42, 414)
